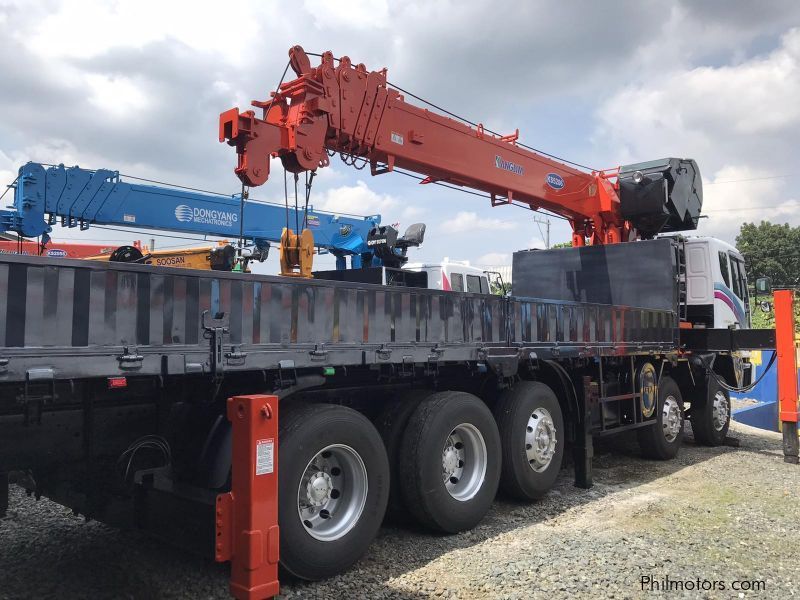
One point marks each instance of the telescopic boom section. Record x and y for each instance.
(347, 109)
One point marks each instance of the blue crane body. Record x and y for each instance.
(75, 197)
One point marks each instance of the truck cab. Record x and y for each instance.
(716, 284)
(453, 276)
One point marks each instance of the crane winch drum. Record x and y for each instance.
(661, 195)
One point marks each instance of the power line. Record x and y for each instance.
(473, 193)
(747, 208)
(174, 185)
(152, 232)
(750, 179)
(8, 187)
(472, 123)
(455, 116)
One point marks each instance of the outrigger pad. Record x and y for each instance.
(661, 195)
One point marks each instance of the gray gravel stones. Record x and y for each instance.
(719, 514)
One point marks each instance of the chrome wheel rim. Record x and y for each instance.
(464, 460)
(540, 440)
(648, 389)
(671, 418)
(332, 492)
(720, 411)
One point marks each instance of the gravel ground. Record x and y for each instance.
(717, 514)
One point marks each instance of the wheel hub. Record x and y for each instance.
(319, 488)
(464, 459)
(720, 411)
(450, 460)
(540, 439)
(671, 418)
(332, 492)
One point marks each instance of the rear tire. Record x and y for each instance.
(391, 425)
(333, 486)
(532, 438)
(711, 413)
(450, 462)
(662, 440)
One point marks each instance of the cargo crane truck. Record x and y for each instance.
(45, 195)
(127, 399)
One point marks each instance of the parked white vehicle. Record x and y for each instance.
(716, 284)
(452, 275)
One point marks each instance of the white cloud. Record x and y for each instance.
(357, 199)
(411, 213)
(494, 259)
(686, 107)
(88, 28)
(740, 122)
(356, 14)
(117, 96)
(737, 194)
(465, 222)
(362, 200)
(536, 243)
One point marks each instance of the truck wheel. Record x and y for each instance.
(711, 413)
(532, 438)
(333, 484)
(662, 440)
(391, 425)
(450, 461)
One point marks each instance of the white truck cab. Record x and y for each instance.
(451, 275)
(716, 284)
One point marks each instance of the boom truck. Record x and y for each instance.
(127, 399)
(45, 195)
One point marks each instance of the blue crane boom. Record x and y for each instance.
(76, 197)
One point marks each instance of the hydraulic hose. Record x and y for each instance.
(723, 384)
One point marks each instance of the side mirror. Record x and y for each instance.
(763, 285)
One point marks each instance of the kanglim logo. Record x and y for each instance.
(205, 216)
(507, 165)
(555, 181)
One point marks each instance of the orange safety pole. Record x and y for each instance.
(787, 372)
(247, 516)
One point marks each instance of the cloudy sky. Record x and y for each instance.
(137, 86)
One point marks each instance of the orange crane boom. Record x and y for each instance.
(348, 109)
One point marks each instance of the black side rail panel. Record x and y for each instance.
(727, 340)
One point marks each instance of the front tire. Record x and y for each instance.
(662, 440)
(711, 413)
(450, 462)
(333, 486)
(532, 437)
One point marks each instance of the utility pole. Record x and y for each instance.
(546, 222)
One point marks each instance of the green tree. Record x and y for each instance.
(562, 245)
(771, 250)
